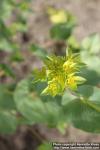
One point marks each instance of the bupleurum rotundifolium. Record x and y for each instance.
(60, 73)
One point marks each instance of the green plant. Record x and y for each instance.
(63, 23)
(65, 99)
(60, 73)
(17, 12)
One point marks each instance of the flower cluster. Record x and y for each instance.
(57, 16)
(60, 16)
(60, 72)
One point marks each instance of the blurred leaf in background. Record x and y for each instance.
(6, 70)
(90, 52)
(45, 146)
(92, 44)
(63, 23)
(13, 19)
(8, 121)
(6, 97)
(61, 31)
(38, 51)
(73, 43)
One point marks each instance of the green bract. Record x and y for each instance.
(60, 72)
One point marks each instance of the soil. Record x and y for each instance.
(25, 138)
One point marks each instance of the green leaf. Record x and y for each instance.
(62, 127)
(16, 56)
(61, 31)
(8, 122)
(45, 146)
(92, 95)
(89, 60)
(95, 97)
(33, 108)
(5, 34)
(91, 76)
(6, 98)
(73, 43)
(30, 107)
(39, 75)
(7, 70)
(7, 46)
(5, 9)
(67, 97)
(85, 90)
(92, 43)
(38, 51)
(18, 27)
(83, 116)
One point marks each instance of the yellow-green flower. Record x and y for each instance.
(73, 81)
(39, 75)
(51, 89)
(69, 66)
(57, 16)
(60, 16)
(60, 73)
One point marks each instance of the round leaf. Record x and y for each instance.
(82, 116)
